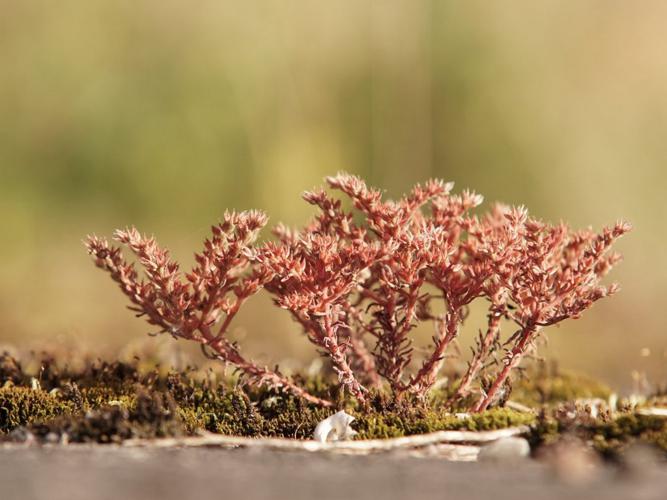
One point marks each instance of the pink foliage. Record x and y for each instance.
(359, 281)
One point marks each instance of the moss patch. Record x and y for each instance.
(21, 406)
(611, 437)
(385, 419)
(549, 385)
(148, 416)
(111, 402)
(608, 435)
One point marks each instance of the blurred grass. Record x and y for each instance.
(164, 114)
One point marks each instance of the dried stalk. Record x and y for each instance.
(361, 446)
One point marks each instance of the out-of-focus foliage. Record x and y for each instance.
(163, 114)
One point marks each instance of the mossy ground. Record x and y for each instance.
(111, 402)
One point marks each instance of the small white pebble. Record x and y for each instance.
(335, 428)
(509, 448)
(52, 438)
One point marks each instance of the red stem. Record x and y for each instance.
(230, 316)
(425, 378)
(515, 356)
(365, 361)
(229, 354)
(345, 374)
(478, 359)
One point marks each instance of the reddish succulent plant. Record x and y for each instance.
(358, 282)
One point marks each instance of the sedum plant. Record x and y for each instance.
(358, 281)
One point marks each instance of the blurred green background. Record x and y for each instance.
(165, 113)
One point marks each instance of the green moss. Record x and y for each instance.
(150, 416)
(287, 416)
(20, 406)
(248, 413)
(552, 386)
(10, 369)
(408, 421)
(611, 437)
(97, 397)
(546, 430)
(220, 411)
(111, 402)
